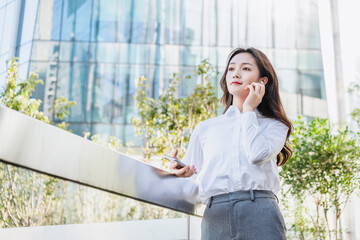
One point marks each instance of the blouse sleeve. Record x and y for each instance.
(194, 153)
(262, 145)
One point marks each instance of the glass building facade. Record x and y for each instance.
(91, 51)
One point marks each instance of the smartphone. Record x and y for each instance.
(180, 163)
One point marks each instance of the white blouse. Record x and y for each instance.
(236, 151)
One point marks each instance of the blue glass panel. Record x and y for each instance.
(2, 3)
(120, 90)
(312, 84)
(310, 60)
(191, 22)
(104, 52)
(124, 21)
(100, 103)
(74, 51)
(139, 21)
(170, 26)
(29, 19)
(2, 27)
(43, 51)
(142, 54)
(79, 128)
(170, 55)
(48, 20)
(104, 22)
(124, 50)
(190, 56)
(135, 72)
(130, 136)
(82, 22)
(287, 80)
(104, 130)
(72, 81)
(68, 20)
(9, 27)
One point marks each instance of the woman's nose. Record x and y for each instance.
(236, 74)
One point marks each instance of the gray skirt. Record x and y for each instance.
(243, 215)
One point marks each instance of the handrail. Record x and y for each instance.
(35, 145)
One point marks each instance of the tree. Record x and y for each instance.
(325, 166)
(28, 198)
(167, 122)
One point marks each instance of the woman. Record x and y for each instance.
(238, 153)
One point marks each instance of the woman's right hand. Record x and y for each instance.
(186, 171)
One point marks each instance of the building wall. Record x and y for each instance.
(91, 51)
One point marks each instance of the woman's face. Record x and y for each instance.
(242, 71)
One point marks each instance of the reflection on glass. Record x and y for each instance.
(224, 23)
(284, 23)
(44, 200)
(191, 22)
(308, 32)
(100, 103)
(74, 51)
(44, 51)
(310, 60)
(259, 25)
(287, 80)
(284, 58)
(72, 81)
(104, 22)
(104, 52)
(312, 84)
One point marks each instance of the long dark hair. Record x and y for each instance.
(270, 105)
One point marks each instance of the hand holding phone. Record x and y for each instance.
(180, 165)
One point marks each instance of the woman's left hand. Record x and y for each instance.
(257, 92)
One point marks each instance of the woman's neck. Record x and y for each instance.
(238, 102)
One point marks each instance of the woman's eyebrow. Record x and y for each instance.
(242, 63)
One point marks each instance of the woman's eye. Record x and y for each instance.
(230, 69)
(246, 69)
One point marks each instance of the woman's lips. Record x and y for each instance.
(236, 83)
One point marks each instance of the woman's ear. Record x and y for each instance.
(264, 79)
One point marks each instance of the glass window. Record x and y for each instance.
(23, 70)
(130, 135)
(104, 22)
(284, 58)
(170, 26)
(259, 23)
(312, 84)
(68, 20)
(142, 54)
(222, 54)
(124, 21)
(170, 55)
(82, 22)
(190, 56)
(120, 93)
(239, 15)
(140, 16)
(209, 23)
(74, 51)
(72, 81)
(46, 92)
(310, 60)
(100, 102)
(29, 19)
(308, 25)
(9, 27)
(104, 52)
(191, 22)
(44, 51)
(24, 52)
(284, 23)
(224, 23)
(124, 49)
(104, 130)
(2, 27)
(287, 80)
